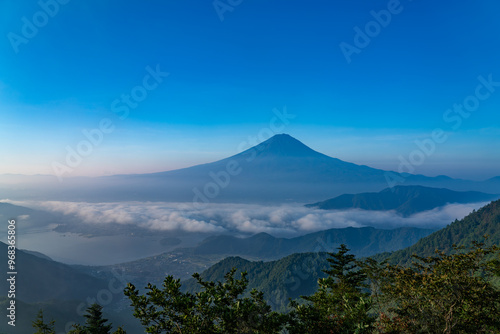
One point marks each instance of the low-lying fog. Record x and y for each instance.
(187, 225)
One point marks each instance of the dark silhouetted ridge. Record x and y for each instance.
(405, 200)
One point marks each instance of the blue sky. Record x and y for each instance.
(227, 76)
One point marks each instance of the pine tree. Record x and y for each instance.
(78, 329)
(120, 330)
(339, 305)
(95, 324)
(343, 270)
(218, 309)
(41, 327)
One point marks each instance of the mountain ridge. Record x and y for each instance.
(473, 227)
(297, 274)
(364, 241)
(41, 279)
(405, 200)
(279, 170)
(183, 262)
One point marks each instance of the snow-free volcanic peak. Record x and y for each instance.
(285, 145)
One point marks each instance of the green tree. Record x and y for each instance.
(120, 330)
(94, 323)
(446, 293)
(218, 308)
(78, 329)
(340, 305)
(42, 327)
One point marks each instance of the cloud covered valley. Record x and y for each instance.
(239, 219)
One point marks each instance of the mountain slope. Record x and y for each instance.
(280, 169)
(363, 241)
(40, 279)
(297, 274)
(183, 262)
(26, 217)
(485, 221)
(289, 277)
(405, 200)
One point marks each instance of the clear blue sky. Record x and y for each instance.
(226, 77)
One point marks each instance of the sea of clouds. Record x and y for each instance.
(279, 220)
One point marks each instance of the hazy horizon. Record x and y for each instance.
(473, 177)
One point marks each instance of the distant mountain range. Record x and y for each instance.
(364, 241)
(183, 262)
(297, 274)
(280, 169)
(44, 283)
(405, 200)
(43, 280)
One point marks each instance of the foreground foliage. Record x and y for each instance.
(218, 308)
(339, 305)
(439, 294)
(446, 293)
(41, 326)
(95, 323)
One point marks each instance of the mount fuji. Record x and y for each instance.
(279, 170)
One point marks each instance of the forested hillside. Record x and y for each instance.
(485, 221)
(363, 241)
(290, 277)
(297, 274)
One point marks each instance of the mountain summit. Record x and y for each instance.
(284, 145)
(280, 169)
(285, 160)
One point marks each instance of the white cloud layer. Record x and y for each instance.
(283, 220)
